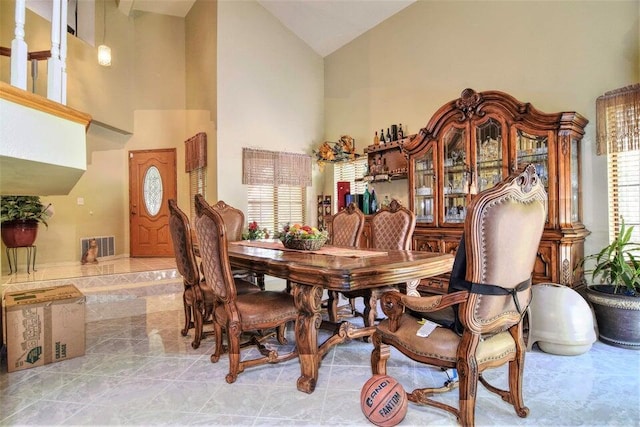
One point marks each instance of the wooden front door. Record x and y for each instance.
(152, 181)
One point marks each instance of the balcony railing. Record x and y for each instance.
(56, 56)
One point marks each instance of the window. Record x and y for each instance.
(195, 163)
(276, 192)
(624, 192)
(618, 136)
(349, 171)
(197, 185)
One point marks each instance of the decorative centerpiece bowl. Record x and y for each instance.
(304, 244)
(303, 237)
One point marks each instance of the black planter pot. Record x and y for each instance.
(19, 233)
(618, 316)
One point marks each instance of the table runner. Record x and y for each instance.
(325, 250)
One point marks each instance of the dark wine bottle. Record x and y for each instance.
(388, 135)
(400, 132)
(382, 140)
(374, 202)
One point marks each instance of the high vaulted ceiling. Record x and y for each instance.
(324, 25)
(327, 25)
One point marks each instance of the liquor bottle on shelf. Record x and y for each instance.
(374, 201)
(366, 201)
(376, 139)
(400, 132)
(382, 140)
(388, 135)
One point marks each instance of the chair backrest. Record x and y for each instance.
(212, 240)
(182, 244)
(502, 232)
(346, 226)
(392, 227)
(233, 220)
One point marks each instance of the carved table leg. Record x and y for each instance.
(412, 288)
(307, 300)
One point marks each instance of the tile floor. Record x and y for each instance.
(139, 370)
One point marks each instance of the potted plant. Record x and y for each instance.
(19, 219)
(615, 290)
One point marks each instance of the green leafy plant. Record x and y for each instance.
(23, 208)
(618, 263)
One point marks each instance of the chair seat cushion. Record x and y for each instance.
(245, 287)
(262, 310)
(442, 343)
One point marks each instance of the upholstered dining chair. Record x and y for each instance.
(233, 312)
(492, 291)
(345, 229)
(234, 222)
(346, 226)
(197, 298)
(391, 229)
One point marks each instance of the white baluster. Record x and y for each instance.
(55, 66)
(63, 53)
(19, 50)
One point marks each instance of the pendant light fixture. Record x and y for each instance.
(104, 51)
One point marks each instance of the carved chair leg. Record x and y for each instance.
(468, 382)
(516, 369)
(187, 317)
(281, 331)
(260, 280)
(217, 328)
(379, 356)
(370, 308)
(332, 305)
(197, 324)
(233, 338)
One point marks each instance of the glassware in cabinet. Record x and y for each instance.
(489, 162)
(455, 174)
(424, 191)
(531, 148)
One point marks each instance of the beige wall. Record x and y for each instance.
(137, 103)
(270, 93)
(557, 55)
(201, 88)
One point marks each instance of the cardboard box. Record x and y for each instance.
(44, 326)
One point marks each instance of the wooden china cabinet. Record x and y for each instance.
(473, 142)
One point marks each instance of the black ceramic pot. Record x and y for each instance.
(617, 315)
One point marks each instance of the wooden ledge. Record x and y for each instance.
(37, 102)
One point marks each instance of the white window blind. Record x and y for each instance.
(197, 185)
(195, 164)
(348, 172)
(624, 192)
(272, 199)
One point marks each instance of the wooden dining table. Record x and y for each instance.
(334, 269)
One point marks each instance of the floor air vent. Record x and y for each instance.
(106, 245)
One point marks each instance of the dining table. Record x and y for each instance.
(332, 268)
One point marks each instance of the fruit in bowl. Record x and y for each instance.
(302, 237)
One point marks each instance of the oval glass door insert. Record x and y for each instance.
(152, 190)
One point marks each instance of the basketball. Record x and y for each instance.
(383, 401)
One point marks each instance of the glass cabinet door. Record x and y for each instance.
(575, 182)
(424, 182)
(488, 154)
(455, 174)
(533, 149)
